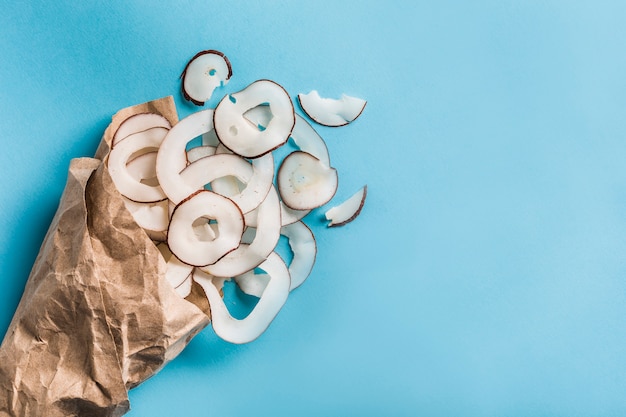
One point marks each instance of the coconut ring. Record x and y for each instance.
(194, 248)
(241, 136)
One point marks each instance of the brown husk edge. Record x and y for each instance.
(97, 316)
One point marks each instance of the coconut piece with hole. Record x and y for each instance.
(201, 249)
(138, 123)
(270, 302)
(347, 211)
(205, 72)
(331, 112)
(133, 147)
(241, 136)
(256, 248)
(304, 182)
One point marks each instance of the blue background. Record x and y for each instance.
(486, 275)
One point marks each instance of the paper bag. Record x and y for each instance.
(97, 316)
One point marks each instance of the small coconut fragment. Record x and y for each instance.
(304, 182)
(199, 249)
(270, 302)
(134, 146)
(331, 112)
(205, 72)
(241, 136)
(138, 123)
(348, 210)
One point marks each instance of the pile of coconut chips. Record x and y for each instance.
(216, 211)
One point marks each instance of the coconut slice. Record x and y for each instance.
(178, 274)
(199, 249)
(241, 136)
(331, 112)
(308, 140)
(206, 71)
(132, 147)
(304, 182)
(270, 302)
(152, 217)
(172, 156)
(302, 243)
(138, 123)
(348, 210)
(248, 256)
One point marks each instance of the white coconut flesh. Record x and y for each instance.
(132, 147)
(259, 116)
(252, 253)
(199, 152)
(153, 217)
(200, 249)
(249, 193)
(205, 170)
(210, 139)
(302, 244)
(138, 123)
(289, 215)
(177, 274)
(304, 182)
(143, 168)
(270, 302)
(331, 112)
(347, 211)
(241, 136)
(205, 72)
(308, 140)
(172, 155)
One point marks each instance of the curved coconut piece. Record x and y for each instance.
(178, 274)
(143, 168)
(206, 170)
(331, 112)
(302, 243)
(152, 217)
(172, 155)
(304, 248)
(308, 140)
(206, 71)
(249, 256)
(289, 215)
(347, 211)
(195, 250)
(138, 123)
(270, 302)
(242, 137)
(252, 283)
(200, 152)
(304, 182)
(131, 148)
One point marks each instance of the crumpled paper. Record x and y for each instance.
(97, 316)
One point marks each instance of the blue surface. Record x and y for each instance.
(486, 275)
